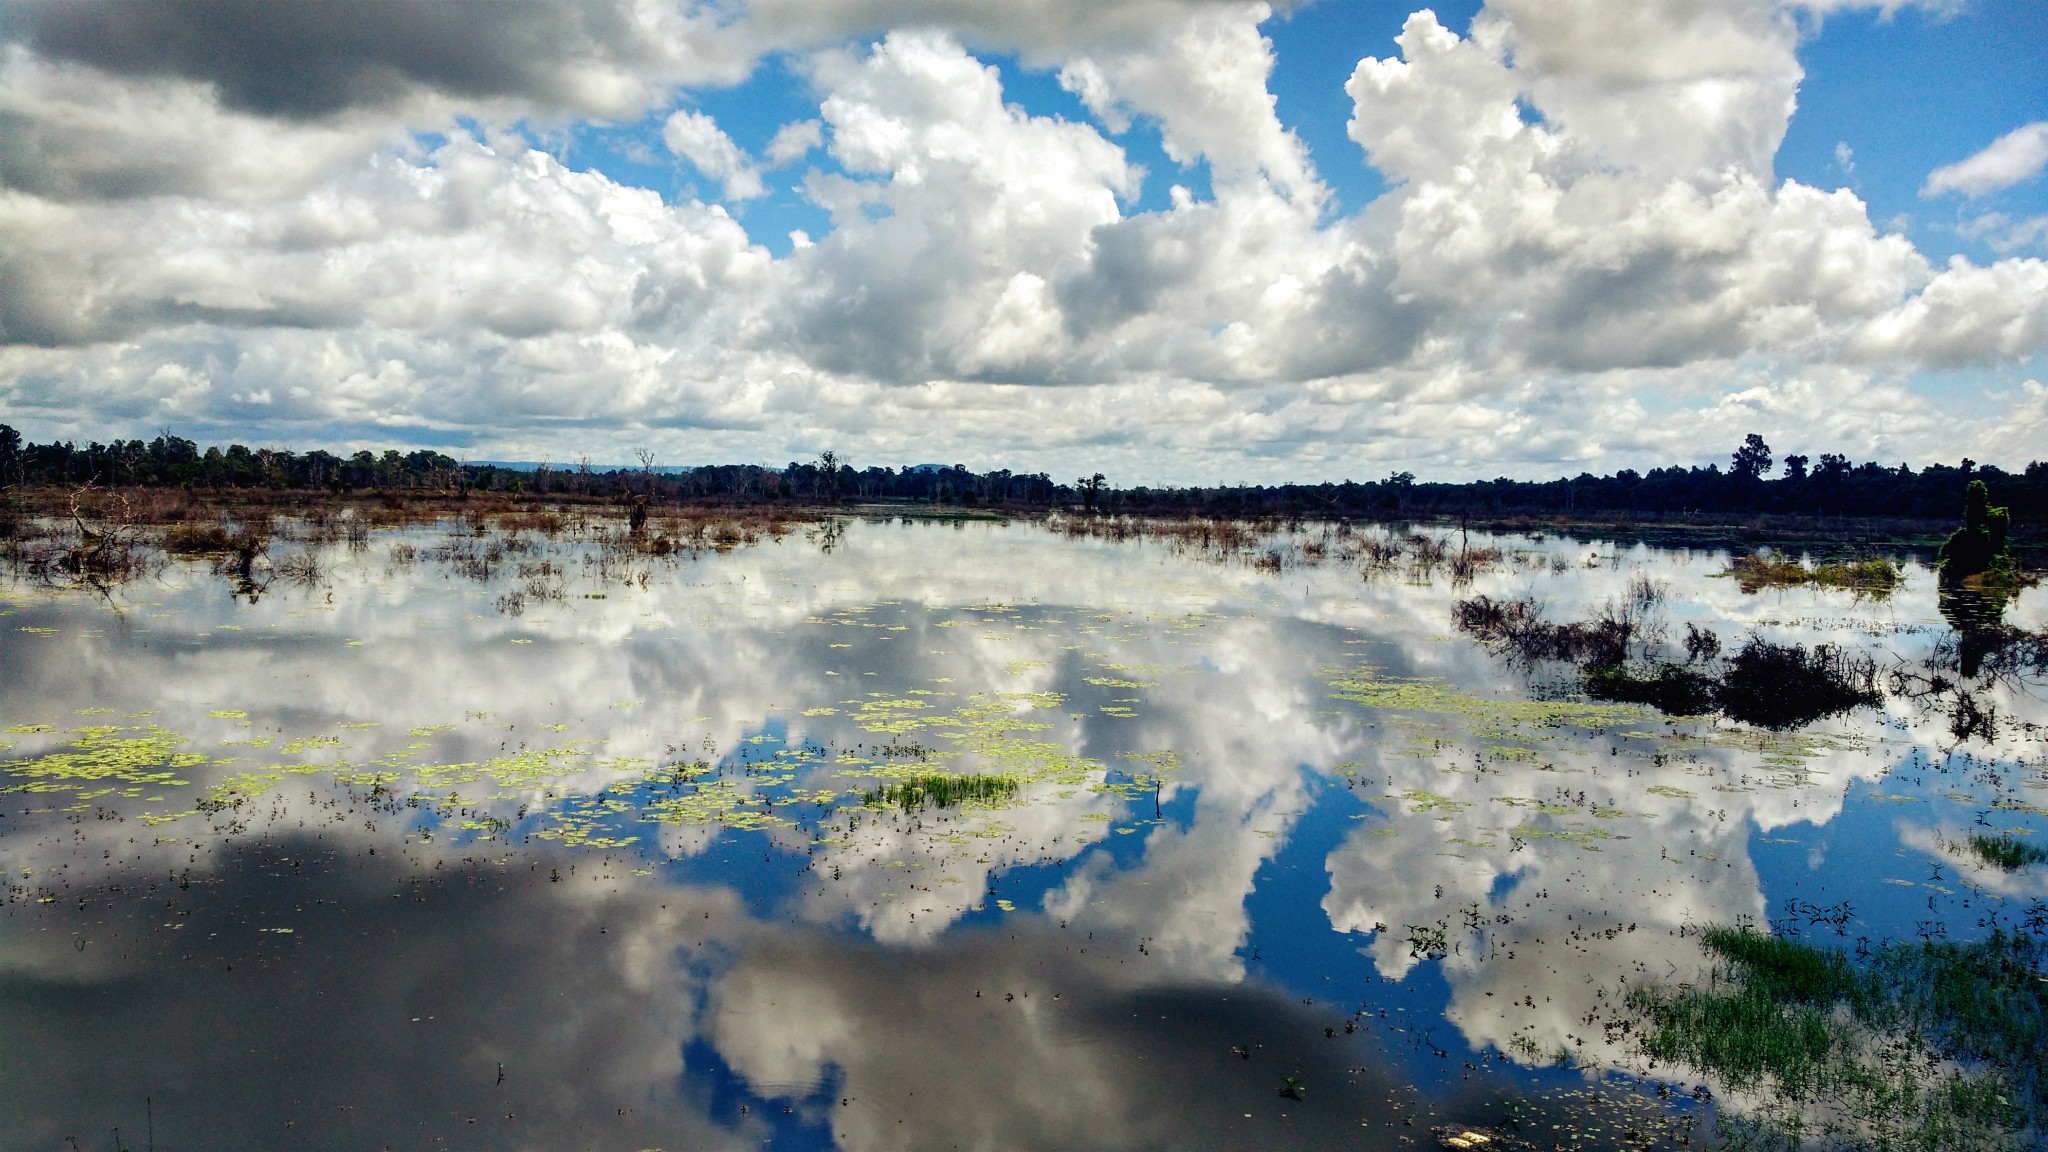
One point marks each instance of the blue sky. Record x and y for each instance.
(1509, 238)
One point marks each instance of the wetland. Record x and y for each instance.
(627, 829)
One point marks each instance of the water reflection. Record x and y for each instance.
(610, 837)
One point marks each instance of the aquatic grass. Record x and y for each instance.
(1925, 1045)
(1876, 577)
(2006, 852)
(944, 790)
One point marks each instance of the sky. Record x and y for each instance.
(1174, 241)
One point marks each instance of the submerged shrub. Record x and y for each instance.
(1775, 686)
(1783, 686)
(1670, 688)
(189, 539)
(1518, 629)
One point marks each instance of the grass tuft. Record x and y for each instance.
(1877, 578)
(1928, 1045)
(944, 790)
(2006, 852)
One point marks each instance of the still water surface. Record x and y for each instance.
(484, 841)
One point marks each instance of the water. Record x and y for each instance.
(452, 840)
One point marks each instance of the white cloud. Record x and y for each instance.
(795, 140)
(962, 211)
(698, 138)
(2013, 158)
(1583, 231)
(2005, 234)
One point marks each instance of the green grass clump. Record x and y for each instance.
(1928, 1045)
(1877, 577)
(2006, 852)
(1874, 577)
(944, 790)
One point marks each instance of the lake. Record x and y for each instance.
(886, 832)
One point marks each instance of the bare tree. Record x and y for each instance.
(646, 457)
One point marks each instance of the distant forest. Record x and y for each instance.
(1753, 483)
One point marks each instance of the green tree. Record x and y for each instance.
(1753, 459)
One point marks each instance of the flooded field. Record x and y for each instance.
(564, 833)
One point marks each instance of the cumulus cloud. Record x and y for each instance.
(1582, 229)
(2014, 158)
(698, 138)
(795, 140)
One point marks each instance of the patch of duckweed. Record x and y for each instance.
(228, 714)
(1160, 761)
(1496, 715)
(249, 785)
(1583, 837)
(307, 744)
(1421, 802)
(1546, 807)
(137, 756)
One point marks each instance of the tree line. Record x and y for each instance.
(1753, 483)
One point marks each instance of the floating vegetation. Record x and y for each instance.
(943, 790)
(1927, 1045)
(137, 757)
(1498, 717)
